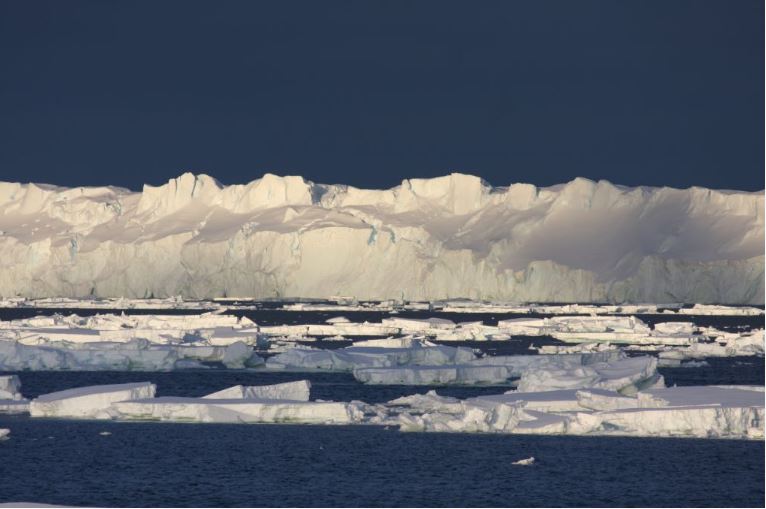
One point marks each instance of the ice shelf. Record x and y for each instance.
(279, 236)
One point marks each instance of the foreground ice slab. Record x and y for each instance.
(93, 402)
(241, 410)
(279, 236)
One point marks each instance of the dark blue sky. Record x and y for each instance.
(662, 92)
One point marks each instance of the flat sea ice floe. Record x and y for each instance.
(355, 357)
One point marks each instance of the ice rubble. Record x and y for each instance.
(581, 241)
(719, 412)
(4, 432)
(92, 402)
(11, 400)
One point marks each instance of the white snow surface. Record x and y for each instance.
(439, 238)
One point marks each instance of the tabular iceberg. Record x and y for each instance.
(93, 402)
(241, 410)
(452, 236)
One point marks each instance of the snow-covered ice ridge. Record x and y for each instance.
(452, 236)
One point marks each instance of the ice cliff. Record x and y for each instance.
(446, 237)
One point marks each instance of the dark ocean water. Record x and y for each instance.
(163, 464)
(148, 464)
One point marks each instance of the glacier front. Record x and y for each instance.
(440, 238)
